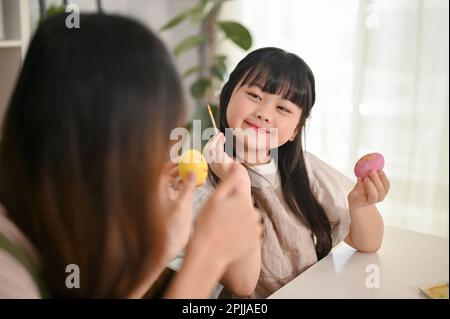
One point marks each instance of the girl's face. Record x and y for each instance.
(260, 113)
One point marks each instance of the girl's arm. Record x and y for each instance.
(366, 229)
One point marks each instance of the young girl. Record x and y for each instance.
(307, 206)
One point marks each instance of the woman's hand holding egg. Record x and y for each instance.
(192, 161)
(177, 185)
(175, 206)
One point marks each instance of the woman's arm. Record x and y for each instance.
(367, 228)
(227, 231)
(198, 274)
(242, 275)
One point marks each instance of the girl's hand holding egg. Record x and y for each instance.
(372, 185)
(368, 163)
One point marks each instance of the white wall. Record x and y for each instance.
(381, 69)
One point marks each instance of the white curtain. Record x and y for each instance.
(381, 69)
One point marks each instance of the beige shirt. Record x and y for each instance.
(15, 280)
(287, 247)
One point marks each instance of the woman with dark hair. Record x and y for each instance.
(85, 173)
(307, 206)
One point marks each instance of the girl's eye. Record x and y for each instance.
(283, 109)
(255, 96)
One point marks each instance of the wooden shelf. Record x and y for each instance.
(10, 44)
(15, 18)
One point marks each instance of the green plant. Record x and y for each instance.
(52, 10)
(211, 69)
(57, 7)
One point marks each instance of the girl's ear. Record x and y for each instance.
(294, 135)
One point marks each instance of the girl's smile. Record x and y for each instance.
(257, 128)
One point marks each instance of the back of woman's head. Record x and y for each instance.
(82, 142)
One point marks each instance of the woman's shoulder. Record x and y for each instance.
(15, 279)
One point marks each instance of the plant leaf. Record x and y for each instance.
(188, 43)
(190, 71)
(221, 57)
(215, 70)
(199, 87)
(53, 9)
(176, 20)
(237, 33)
(200, 11)
(219, 69)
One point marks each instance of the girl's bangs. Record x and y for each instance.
(279, 79)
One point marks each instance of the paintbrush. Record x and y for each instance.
(212, 120)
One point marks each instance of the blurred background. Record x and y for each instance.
(381, 69)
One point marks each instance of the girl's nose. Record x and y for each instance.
(262, 116)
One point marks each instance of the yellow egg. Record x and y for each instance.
(193, 161)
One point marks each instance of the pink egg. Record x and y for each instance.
(367, 163)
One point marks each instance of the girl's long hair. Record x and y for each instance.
(83, 143)
(278, 72)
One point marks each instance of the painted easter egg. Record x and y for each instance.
(367, 163)
(193, 161)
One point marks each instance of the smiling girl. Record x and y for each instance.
(307, 207)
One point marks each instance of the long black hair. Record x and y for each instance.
(83, 142)
(276, 71)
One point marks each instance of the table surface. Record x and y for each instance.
(406, 261)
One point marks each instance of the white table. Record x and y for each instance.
(406, 261)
